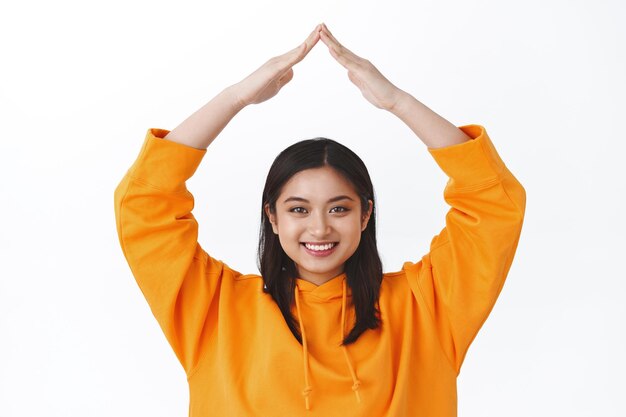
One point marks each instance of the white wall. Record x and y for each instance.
(81, 83)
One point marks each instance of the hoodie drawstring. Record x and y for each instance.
(305, 350)
(305, 355)
(356, 383)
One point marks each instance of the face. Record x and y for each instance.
(319, 222)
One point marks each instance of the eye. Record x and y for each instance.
(339, 209)
(300, 210)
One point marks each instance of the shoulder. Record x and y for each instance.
(403, 275)
(246, 280)
(394, 284)
(391, 277)
(249, 283)
(246, 292)
(248, 277)
(400, 283)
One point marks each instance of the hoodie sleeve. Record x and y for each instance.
(462, 275)
(158, 235)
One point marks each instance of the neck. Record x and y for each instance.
(320, 279)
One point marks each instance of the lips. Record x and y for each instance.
(320, 249)
(320, 246)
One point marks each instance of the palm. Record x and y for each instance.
(266, 81)
(376, 89)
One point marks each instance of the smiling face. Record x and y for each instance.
(318, 221)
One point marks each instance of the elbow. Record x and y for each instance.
(517, 194)
(120, 192)
(520, 210)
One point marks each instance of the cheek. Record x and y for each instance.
(350, 229)
(288, 230)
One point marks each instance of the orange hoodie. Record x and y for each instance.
(231, 338)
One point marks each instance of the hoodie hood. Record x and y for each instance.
(336, 287)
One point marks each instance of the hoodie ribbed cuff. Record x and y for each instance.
(165, 164)
(472, 162)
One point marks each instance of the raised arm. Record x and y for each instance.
(153, 210)
(432, 129)
(203, 126)
(461, 277)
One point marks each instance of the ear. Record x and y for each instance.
(272, 218)
(366, 216)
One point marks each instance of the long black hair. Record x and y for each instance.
(363, 269)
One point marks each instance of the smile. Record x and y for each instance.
(320, 250)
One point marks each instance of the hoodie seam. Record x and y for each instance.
(154, 187)
(247, 276)
(496, 165)
(432, 319)
(322, 300)
(121, 225)
(193, 370)
(478, 186)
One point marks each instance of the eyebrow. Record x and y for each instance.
(332, 200)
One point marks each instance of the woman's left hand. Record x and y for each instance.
(377, 89)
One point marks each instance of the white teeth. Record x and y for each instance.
(319, 247)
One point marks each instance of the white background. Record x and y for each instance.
(80, 84)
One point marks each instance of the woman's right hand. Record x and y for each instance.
(266, 81)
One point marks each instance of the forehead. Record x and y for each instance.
(317, 184)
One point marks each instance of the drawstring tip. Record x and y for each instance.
(306, 393)
(355, 388)
(358, 396)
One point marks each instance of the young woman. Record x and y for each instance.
(322, 331)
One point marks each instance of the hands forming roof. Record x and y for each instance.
(267, 80)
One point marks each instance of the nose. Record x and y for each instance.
(319, 226)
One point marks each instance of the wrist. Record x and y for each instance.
(400, 102)
(233, 98)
